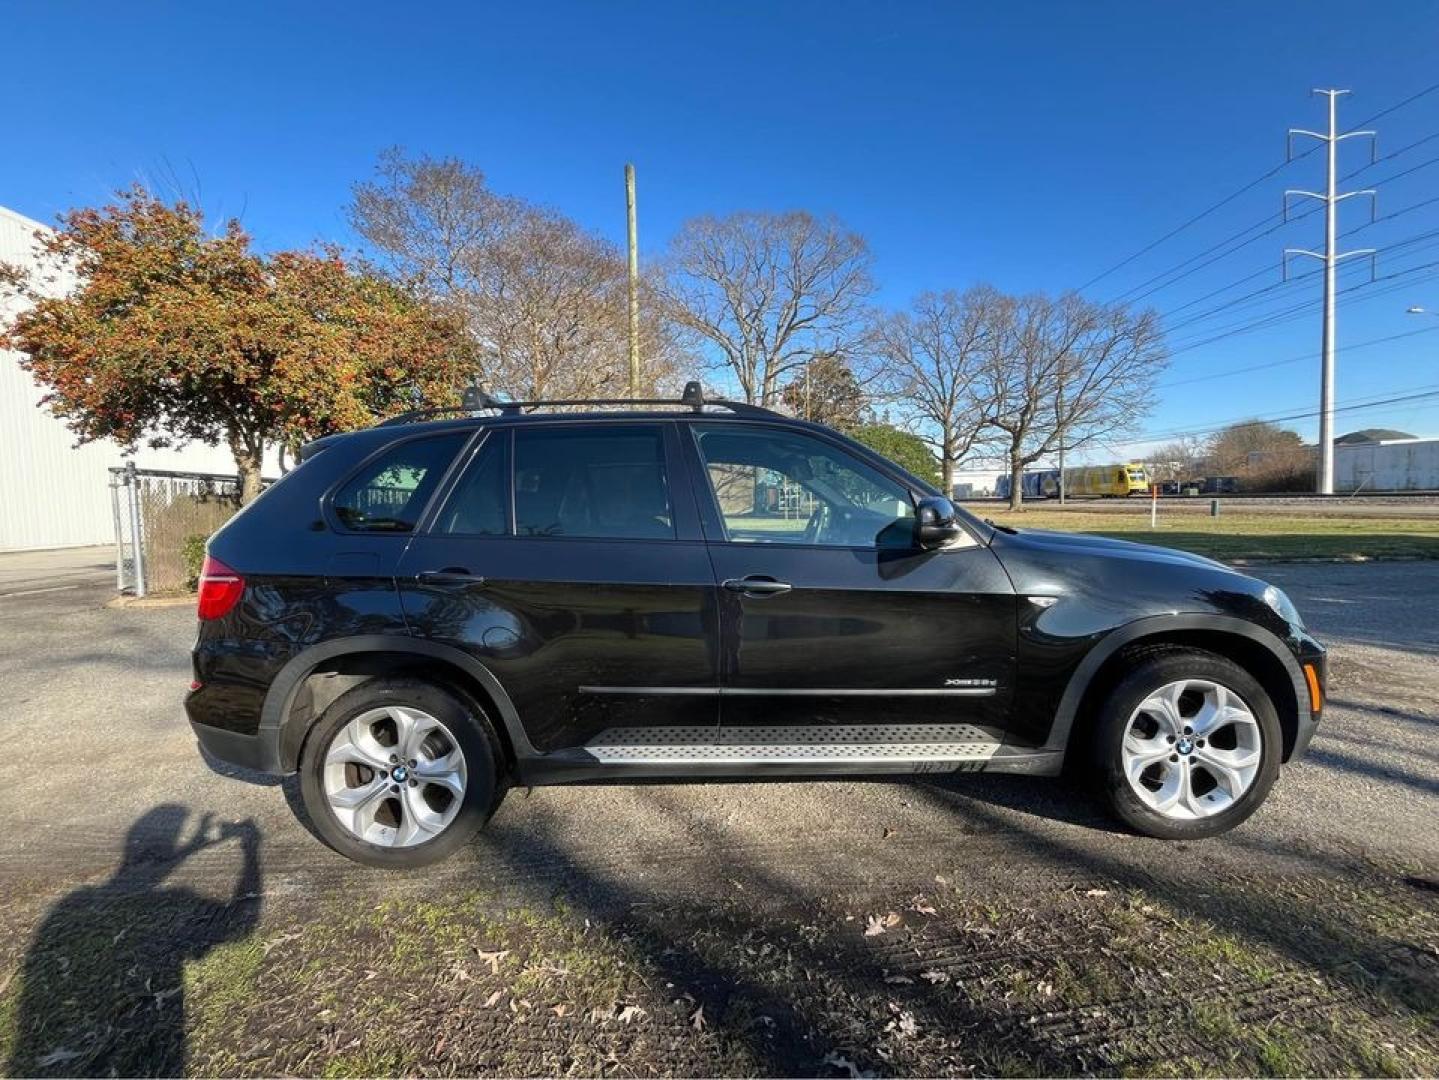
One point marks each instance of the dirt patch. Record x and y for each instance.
(1093, 979)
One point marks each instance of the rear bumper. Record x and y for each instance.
(220, 722)
(232, 748)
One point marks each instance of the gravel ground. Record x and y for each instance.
(742, 900)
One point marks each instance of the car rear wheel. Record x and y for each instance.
(399, 773)
(1189, 745)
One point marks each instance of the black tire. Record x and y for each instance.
(1150, 671)
(472, 732)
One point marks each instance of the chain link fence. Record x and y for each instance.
(157, 513)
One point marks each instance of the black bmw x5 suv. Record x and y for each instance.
(426, 612)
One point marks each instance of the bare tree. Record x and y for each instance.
(1182, 459)
(544, 300)
(1068, 372)
(932, 362)
(431, 220)
(763, 292)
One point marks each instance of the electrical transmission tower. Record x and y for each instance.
(1331, 198)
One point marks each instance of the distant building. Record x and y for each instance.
(973, 484)
(1372, 435)
(53, 493)
(1407, 464)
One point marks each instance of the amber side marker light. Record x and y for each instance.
(1316, 696)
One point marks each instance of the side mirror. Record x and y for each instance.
(935, 522)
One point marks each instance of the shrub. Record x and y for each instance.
(192, 554)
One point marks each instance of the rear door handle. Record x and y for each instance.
(454, 577)
(757, 585)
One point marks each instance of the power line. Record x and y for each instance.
(1197, 217)
(1293, 359)
(1400, 104)
(1248, 298)
(1413, 394)
(1172, 276)
(1303, 308)
(1279, 221)
(1418, 243)
(1249, 187)
(1263, 270)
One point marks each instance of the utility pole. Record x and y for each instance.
(1060, 404)
(1331, 257)
(634, 252)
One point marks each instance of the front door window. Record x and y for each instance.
(783, 487)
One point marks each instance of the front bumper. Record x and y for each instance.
(1314, 665)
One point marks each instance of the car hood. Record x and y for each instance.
(1089, 544)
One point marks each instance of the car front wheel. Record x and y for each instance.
(1189, 745)
(399, 773)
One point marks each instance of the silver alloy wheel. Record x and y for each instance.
(1191, 749)
(394, 776)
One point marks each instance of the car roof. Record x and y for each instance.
(393, 430)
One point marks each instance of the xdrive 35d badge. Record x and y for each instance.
(429, 611)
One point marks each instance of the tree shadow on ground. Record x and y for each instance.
(1348, 943)
(819, 1002)
(1329, 758)
(102, 982)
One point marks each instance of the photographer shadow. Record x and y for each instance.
(102, 984)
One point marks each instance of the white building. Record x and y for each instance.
(53, 493)
(1387, 465)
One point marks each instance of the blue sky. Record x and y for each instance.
(1029, 145)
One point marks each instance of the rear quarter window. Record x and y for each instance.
(390, 492)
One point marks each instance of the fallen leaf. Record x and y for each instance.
(839, 1061)
(1097, 892)
(493, 999)
(493, 959)
(899, 980)
(631, 1013)
(161, 997)
(878, 924)
(697, 1020)
(559, 1010)
(934, 977)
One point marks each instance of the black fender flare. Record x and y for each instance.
(283, 734)
(1153, 626)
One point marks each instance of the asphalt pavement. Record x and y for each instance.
(96, 703)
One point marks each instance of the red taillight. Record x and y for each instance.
(220, 588)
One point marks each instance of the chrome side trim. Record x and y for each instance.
(816, 691)
(655, 691)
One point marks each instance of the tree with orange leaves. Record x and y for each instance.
(171, 335)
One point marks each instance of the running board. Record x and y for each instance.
(796, 751)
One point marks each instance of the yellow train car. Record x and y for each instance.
(1130, 478)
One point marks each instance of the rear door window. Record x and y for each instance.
(607, 481)
(391, 491)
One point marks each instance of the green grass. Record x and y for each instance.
(460, 983)
(1237, 535)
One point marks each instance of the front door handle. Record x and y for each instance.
(453, 577)
(757, 585)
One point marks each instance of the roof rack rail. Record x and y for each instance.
(476, 400)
